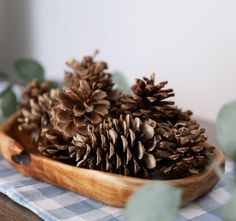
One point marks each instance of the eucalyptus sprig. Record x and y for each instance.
(226, 129)
(154, 201)
(226, 133)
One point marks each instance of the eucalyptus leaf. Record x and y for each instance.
(121, 82)
(3, 76)
(29, 69)
(55, 84)
(2, 119)
(8, 102)
(152, 202)
(226, 129)
(229, 210)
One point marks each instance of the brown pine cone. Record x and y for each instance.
(37, 114)
(92, 72)
(79, 105)
(181, 149)
(149, 100)
(54, 145)
(123, 146)
(33, 90)
(180, 115)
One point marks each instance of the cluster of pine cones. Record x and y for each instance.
(91, 124)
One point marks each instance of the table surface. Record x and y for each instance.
(11, 211)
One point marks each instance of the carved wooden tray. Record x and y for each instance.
(108, 188)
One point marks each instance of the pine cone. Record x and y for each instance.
(92, 72)
(54, 145)
(33, 90)
(79, 105)
(180, 115)
(149, 101)
(181, 149)
(121, 146)
(37, 114)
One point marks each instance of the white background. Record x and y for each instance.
(191, 43)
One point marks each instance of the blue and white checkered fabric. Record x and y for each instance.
(53, 203)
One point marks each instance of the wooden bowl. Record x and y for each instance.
(108, 188)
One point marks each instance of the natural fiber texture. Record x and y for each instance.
(149, 100)
(53, 144)
(123, 146)
(80, 105)
(37, 113)
(181, 149)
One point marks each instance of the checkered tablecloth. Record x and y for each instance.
(53, 203)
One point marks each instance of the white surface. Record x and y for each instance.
(191, 212)
(190, 43)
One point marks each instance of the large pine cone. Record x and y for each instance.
(54, 145)
(92, 72)
(121, 146)
(80, 105)
(149, 101)
(37, 113)
(181, 149)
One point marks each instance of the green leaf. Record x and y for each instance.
(2, 119)
(29, 69)
(152, 202)
(3, 76)
(229, 210)
(121, 82)
(55, 84)
(226, 129)
(8, 102)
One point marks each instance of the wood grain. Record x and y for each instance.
(111, 189)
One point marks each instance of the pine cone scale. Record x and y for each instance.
(79, 111)
(66, 101)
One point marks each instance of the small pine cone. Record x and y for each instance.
(33, 90)
(54, 145)
(92, 72)
(123, 146)
(37, 114)
(181, 149)
(79, 105)
(149, 100)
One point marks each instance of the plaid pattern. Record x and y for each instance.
(52, 203)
